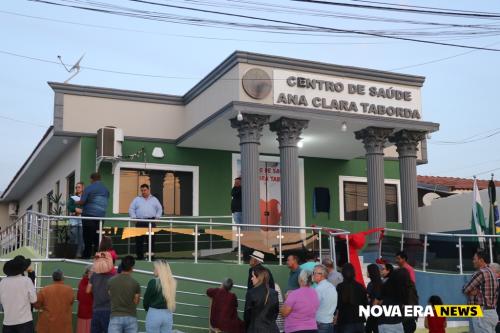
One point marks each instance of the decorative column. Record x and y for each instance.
(406, 142)
(289, 131)
(249, 132)
(374, 139)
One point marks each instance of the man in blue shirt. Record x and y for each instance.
(94, 202)
(310, 263)
(144, 206)
(293, 279)
(327, 295)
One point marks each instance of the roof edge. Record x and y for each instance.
(49, 133)
(330, 69)
(260, 59)
(227, 64)
(131, 95)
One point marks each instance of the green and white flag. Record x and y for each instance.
(478, 222)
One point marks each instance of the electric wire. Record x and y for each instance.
(184, 35)
(288, 25)
(271, 8)
(419, 7)
(487, 171)
(437, 60)
(96, 68)
(406, 10)
(446, 171)
(471, 139)
(23, 121)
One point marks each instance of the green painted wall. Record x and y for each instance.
(322, 172)
(214, 168)
(216, 178)
(87, 163)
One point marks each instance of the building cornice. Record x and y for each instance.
(130, 95)
(258, 59)
(234, 59)
(328, 69)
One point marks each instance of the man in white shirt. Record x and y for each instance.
(17, 293)
(327, 295)
(144, 206)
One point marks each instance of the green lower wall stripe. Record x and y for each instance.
(215, 171)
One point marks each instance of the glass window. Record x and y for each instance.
(174, 189)
(39, 205)
(58, 188)
(356, 201)
(70, 184)
(50, 202)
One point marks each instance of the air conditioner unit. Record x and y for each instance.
(109, 143)
(12, 208)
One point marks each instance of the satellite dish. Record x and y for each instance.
(75, 69)
(429, 197)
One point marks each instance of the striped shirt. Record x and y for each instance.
(484, 288)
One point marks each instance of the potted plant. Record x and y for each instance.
(63, 248)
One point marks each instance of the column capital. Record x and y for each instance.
(407, 141)
(250, 127)
(373, 138)
(288, 130)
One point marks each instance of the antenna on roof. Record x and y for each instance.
(75, 68)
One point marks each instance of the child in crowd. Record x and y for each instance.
(104, 260)
(84, 315)
(434, 323)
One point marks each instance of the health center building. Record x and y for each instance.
(314, 144)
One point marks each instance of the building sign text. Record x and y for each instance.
(327, 93)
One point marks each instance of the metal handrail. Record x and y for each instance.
(486, 241)
(207, 223)
(440, 233)
(141, 271)
(33, 229)
(197, 217)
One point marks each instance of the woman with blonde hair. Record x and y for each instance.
(261, 304)
(159, 299)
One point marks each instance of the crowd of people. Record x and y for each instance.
(317, 298)
(107, 298)
(320, 299)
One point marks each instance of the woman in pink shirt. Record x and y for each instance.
(300, 307)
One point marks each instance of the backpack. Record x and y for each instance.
(103, 262)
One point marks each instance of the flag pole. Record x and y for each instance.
(477, 222)
(493, 207)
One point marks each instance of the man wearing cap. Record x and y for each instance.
(17, 293)
(257, 259)
(55, 302)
